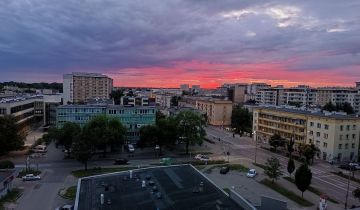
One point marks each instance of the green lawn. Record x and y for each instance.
(313, 190)
(260, 165)
(12, 196)
(97, 171)
(70, 193)
(287, 193)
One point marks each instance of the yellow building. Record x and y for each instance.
(218, 111)
(336, 135)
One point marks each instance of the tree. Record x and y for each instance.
(309, 151)
(303, 177)
(356, 193)
(273, 169)
(116, 96)
(241, 120)
(329, 107)
(83, 148)
(290, 146)
(67, 134)
(159, 116)
(276, 141)
(191, 128)
(168, 131)
(346, 107)
(149, 135)
(11, 136)
(105, 131)
(175, 100)
(291, 166)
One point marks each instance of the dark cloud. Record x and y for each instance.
(96, 35)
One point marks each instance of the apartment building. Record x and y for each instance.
(79, 87)
(184, 87)
(218, 111)
(132, 117)
(137, 101)
(336, 135)
(237, 93)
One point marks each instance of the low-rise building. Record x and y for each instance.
(132, 117)
(6, 181)
(137, 101)
(218, 111)
(336, 135)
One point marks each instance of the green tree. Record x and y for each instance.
(149, 136)
(346, 107)
(105, 131)
(290, 146)
(11, 136)
(303, 177)
(159, 116)
(241, 120)
(356, 193)
(291, 166)
(191, 128)
(309, 151)
(168, 131)
(276, 141)
(83, 148)
(329, 107)
(68, 133)
(116, 96)
(175, 100)
(273, 169)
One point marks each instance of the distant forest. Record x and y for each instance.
(41, 85)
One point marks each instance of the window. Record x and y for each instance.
(341, 137)
(353, 145)
(325, 145)
(311, 133)
(341, 127)
(326, 136)
(311, 124)
(318, 125)
(346, 146)
(318, 134)
(340, 146)
(354, 127)
(348, 127)
(326, 127)
(347, 136)
(353, 136)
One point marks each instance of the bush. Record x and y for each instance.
(30, 171)
(6, 164)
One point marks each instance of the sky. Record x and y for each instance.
(159, 43)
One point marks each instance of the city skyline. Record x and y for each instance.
(165, 44)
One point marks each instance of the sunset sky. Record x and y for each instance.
(164, 43)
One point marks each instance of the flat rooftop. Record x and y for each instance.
(179, 187)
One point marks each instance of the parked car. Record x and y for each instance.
(39, 149)
(347, 166)
(30, 177)
(120, 161)
(157, 147)
(202, 157)
(65, 207)
(251, 173)
(130, 148)
(224, 170)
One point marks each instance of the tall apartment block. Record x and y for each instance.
(218, 112)
(79, 87)
(335, 135)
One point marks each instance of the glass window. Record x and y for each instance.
(340, 146)
(353, 145)
(354, 136)
(346, 146)
(326, 136)
(326, 127)
(325, 145)
(348, 127)
(318, 134)
(318, 125)
(311, 123)
(354, 127)
(341, 127)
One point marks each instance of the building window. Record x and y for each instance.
(325, 145)
(341, 127)
(346, 146)
(341, 137)
(353, 136)
(353, 145)
(311, 133)
(311, 124)
(347, 136)
(318, 125)
(354, 127)
(340, 146)
(318, 134)
(326, 136)
(348, 127)
(326, 127)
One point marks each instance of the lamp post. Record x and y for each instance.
(254, 133)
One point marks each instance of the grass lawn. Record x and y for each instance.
(287, 193)
(260, 165)
(30, 171)
(312, 189)
(12, 196)
(98, 171)
(70, 193)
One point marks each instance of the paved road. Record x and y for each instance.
(244, 147)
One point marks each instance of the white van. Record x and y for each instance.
(39, 149)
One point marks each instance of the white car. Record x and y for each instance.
(130, 148)
(251, 173)
(65, 207)
(157, 147)
(202, 157)
(30, 177)
(355, 165)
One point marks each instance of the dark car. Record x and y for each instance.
(224, 170)
(347, 167)
(120, 161)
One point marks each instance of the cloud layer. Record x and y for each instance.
(165, 43)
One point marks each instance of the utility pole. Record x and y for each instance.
(347, 190)
(254, 133)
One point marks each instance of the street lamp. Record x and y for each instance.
(254, 133)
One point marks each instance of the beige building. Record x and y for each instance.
(218, 111)
(79, 87)
(336, 135)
